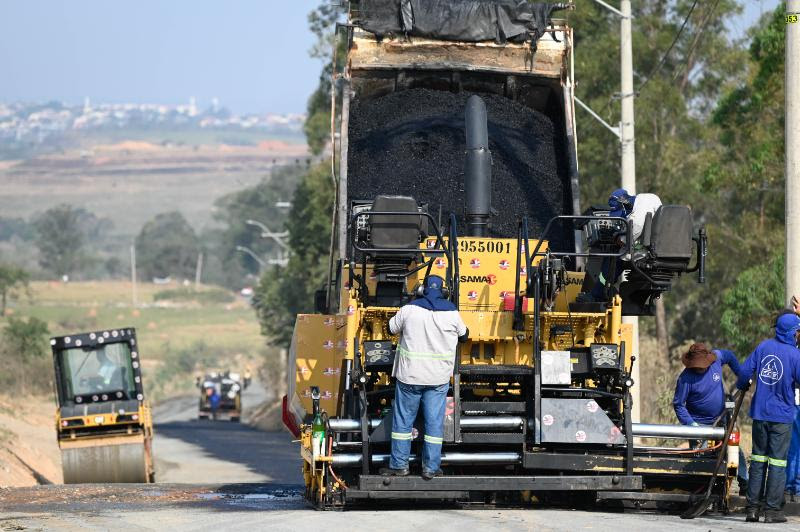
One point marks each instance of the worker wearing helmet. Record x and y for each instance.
(634, 208)
(429, 328)
(598, 272)
(700, 396)
(775, 365)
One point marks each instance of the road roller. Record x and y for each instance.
(103, 422)
(539, 406)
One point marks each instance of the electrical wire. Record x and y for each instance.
(669, 50)
(696, 42)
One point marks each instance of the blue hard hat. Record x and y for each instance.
(620, 202)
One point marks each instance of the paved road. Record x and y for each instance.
(230, 476)
(188, 450)
(271, 507)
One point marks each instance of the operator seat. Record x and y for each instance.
(394, 240)
(666, 250)
(667, 237)
(396, 231)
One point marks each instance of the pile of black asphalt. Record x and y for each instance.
(412, 143)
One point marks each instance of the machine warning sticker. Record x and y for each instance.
(504, 294)
(580, 436)
(547, 420)
(328, 321)
(772, 371)
(504, 264)
(475, 263)
(331, 371)
(327, 344)
(592, 406)
(440, 263)
(326, 395)
(351, 310)
(523, 270)
(472, 295)
(430, 243)
(373, 275)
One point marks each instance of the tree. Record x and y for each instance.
(60, 239)
(752, 303)
(317, 126)
(283, 293)
(25, 341)
(166, 246)
(676, 93)
(12, 280)
(259, 203)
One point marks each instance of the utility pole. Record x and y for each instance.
(627, 139)
(134, 295)
(792, 89)
(198, 271)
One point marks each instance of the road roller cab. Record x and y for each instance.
(103, 422)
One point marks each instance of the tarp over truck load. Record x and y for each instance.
(458, 20)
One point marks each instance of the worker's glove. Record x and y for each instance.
(695, 424)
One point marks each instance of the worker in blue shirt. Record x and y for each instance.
(775, 368)
(700, 396)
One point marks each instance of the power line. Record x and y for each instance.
(671, 46)
(696, 42)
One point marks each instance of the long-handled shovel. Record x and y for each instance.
(702, 505)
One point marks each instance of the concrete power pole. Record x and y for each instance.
(626, 127)
(134, 295)
(792, 88)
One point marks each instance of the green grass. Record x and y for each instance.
(177, 339)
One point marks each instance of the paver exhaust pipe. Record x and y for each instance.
(477, 169)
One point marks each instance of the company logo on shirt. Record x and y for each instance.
(715, 377)
(772, 370)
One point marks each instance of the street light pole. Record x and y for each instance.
(792, 103)
(266, 233)
(250, 252)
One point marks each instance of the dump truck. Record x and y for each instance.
(455, 154)
(228, 386)
(103, 422)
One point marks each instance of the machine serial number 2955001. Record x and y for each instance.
(478, 246)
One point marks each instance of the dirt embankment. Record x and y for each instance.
(29, 453)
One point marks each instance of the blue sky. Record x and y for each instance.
(251, 54)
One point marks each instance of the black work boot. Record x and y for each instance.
(774, 516)
(427, 475)
(389, 472)
(752, 515)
